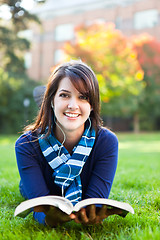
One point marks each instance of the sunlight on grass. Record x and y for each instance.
(5, 139)
(140, 146)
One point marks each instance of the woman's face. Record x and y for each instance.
(71, 108)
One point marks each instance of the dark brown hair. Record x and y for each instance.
(83, 79)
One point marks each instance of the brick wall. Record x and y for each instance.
(44, 44)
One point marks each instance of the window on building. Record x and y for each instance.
(146, 19)
(27, 60)
(64, 32)
(58, 56)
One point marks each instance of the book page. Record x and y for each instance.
(109, 202)
(62, 203)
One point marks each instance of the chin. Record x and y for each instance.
(73, 128)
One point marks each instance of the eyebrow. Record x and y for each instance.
(63, 90)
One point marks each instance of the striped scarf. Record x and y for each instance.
(67, 168)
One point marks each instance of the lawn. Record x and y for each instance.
(137, 182)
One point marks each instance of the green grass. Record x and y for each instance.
(136, 182)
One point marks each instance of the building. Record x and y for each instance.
(60, 17)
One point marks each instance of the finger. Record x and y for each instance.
(102, 212)
(77, 217)
(91, 212)
(72, 216)
(77, 220)
(83, 215)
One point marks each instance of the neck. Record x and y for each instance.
(71, 138)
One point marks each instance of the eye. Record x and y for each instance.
(83, 97)
(63, 95)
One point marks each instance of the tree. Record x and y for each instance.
(12, 46)
(15, 86)
(148, 53)
(114, 60)
(13, 91)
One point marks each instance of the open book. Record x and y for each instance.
(67, 207)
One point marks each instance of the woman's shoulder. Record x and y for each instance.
(105, 134)
(27, 137)
(106, 142)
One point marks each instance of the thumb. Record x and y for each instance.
(72, 216)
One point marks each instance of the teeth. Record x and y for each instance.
(71, 115)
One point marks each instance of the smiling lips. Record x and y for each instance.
(72, 115)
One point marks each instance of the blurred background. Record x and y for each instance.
(119, 39)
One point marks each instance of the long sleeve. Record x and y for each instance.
(31, 175)
(102, 166)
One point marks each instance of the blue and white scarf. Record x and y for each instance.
(67, 168)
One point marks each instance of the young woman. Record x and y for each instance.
(67, 152)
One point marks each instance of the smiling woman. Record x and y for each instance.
(71, 109)
(67, 152)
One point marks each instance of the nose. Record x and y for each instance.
(73, 104)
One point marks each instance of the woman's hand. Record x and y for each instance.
(93, 215)
(54, 216)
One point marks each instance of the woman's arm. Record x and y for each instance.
(27, 155)
(105, 159)
(30, 171)
(28, 159)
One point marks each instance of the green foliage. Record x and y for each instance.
(136, 182)
(12, 49)
(12, 46)
(13, 90)
(19, 15)
(148, 53)
(15, 86)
